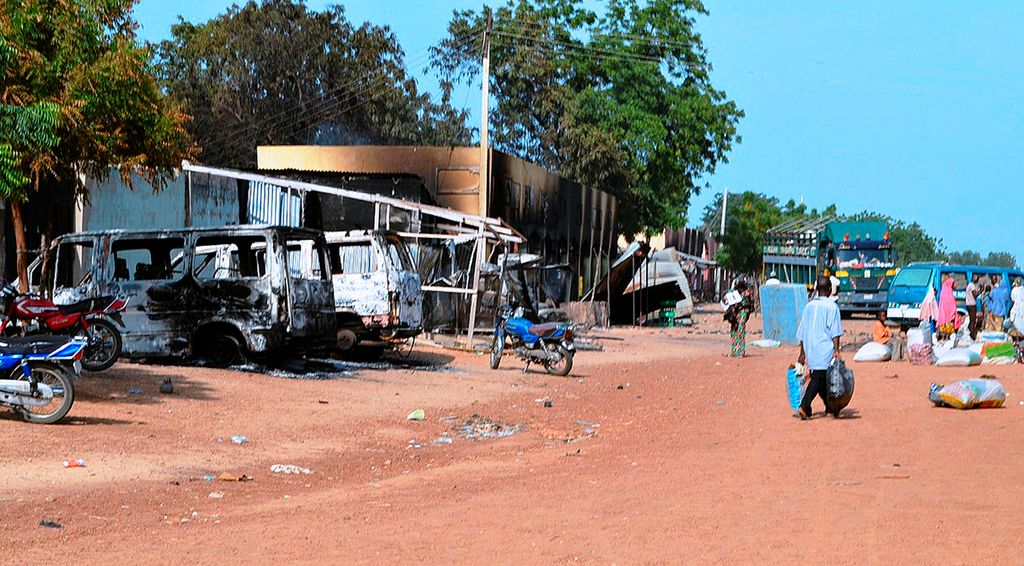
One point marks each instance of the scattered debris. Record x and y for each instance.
(50, 524)
(417, 415)
(621, 387)
(323, 401)
(289, 469)
(548, 404)
(477, 427)
(225, 476)
(135, 391)
(216, 495)
(444, 440)
(239, 439)
(414, 444)
(720, 402)
(166, 387)
(79, 463)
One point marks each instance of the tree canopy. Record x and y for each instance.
(279, 73)
(77, 96)
(619, 100)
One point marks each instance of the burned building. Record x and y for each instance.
(563, 222)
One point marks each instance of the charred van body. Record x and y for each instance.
(211, 292)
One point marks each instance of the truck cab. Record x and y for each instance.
(377, 294)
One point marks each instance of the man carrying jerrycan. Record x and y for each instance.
(820, 328)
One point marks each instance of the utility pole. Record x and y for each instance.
(725, 208)
(485, 84)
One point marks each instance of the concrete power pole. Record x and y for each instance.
(725, 208)
(485, 84)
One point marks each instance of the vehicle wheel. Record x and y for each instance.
(221, 350)
(104, 346)
(58, 379)
(347, 339)
(497, 348)
(564, 364)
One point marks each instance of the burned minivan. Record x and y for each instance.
(377, 294)
(214, 293)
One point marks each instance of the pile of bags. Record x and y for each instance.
(968, 394)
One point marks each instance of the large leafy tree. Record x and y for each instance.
(77, 96)
(619, 100)
(277, 72)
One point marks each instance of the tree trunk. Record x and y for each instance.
(20, 245)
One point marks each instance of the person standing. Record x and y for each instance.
(997, 304)
(737, 315)
(971, 302)
(819, 332)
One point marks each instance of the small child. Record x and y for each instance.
(883, 335)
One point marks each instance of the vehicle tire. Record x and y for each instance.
(59, 379)
(104, 346)
(221, 350)
(347, 339)
(497, 348)
(563, 366)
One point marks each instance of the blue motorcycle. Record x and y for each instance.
(38, 371)
(549, 344)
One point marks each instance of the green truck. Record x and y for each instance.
(859, 254)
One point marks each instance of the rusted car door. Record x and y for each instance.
(150, 269)
(76, 262)
(310, 296)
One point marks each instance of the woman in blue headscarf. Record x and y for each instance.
(997, 305)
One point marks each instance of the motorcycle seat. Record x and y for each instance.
(88, 305)
(32, 344)
(545, 329)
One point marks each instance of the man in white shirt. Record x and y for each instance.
(971, 302)
(821, 326)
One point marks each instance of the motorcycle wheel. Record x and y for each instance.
(497, 347)
(104, 346)
(63, 393)
(564, 364)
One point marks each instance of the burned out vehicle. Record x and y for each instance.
(215, 293)
(377, 294)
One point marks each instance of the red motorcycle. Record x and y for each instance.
(31, 314)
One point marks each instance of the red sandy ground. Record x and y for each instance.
(696, 459)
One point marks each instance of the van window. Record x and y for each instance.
(913, 277)
(398, 254)
(230, 257)
(959, 276)
(149, 259)
(1016, 279)
(350, 258)
(302, 266)
(74, 264)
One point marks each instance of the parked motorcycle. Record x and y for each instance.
(29, 314)
(549, 343)
(38, 371)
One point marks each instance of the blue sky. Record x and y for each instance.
(908, 108)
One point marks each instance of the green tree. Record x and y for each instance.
(967, 257)
(279, 73)
(620, 100)
(750, 215)
(75, 75)
(1000, 259)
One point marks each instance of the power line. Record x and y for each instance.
(583, 49)
(650, 40)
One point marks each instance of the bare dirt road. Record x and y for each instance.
(657, 450)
